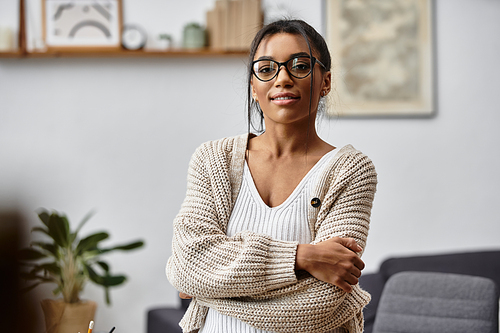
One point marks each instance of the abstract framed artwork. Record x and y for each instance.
(82, 24)
(381, 57)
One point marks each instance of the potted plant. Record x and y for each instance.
(69, 261)
(164, 41)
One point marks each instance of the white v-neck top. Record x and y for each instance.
(287, 222)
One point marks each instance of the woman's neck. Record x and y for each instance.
(287, 139)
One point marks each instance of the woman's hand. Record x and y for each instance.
(185, 296)
(333, 261)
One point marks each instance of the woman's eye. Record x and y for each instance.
(266, 69)
(301, 66)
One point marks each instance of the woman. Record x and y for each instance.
(269, 236)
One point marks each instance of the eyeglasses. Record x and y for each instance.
(298, 67)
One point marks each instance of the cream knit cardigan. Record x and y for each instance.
(251, 276)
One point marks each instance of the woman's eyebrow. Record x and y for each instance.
(265, 58)
(294, 55)
(300, 54)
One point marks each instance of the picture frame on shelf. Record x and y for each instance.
(82, 25)
(381, 57)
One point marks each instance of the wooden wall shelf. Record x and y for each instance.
(172, 53)
(117, 52)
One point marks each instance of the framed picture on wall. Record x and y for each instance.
(82, 24)
(381, 57)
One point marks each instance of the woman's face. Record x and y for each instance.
(285, 99)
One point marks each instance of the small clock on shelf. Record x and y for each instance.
(133, 37)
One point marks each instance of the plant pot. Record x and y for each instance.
(62, 317)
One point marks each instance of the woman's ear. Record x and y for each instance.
(254, 93)
(326, 85)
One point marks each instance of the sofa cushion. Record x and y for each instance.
(486, 264)
(437, 303)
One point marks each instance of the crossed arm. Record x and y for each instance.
(333, 261)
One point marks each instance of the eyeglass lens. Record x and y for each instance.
(266, 70)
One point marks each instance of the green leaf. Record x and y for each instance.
(113, 280)
(34, 276)
(90, 242)
(42, 230)
(93, 276)
(30, 254)
(126, 247)
(51, 248)
(28, 288)
(59, 230)
(44, 217)
(107, 280)
(103, 265)
(91, 254)
(83, 221)
(51, 267)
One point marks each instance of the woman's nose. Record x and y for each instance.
(283, 78)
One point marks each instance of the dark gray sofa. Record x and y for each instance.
(485, 263)
(166, 320)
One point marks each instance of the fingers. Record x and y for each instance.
(184, 296)
(358, 263)
(344, 286)
(356, 272)
(347, 275)
(350, 243)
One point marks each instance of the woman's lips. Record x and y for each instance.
(284, 98)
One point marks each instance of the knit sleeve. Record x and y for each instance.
(348, 202)
(207, 263)
(310, 305)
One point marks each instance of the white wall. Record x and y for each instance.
(116, 135)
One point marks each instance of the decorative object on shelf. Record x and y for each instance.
(82, 24)
(69, 261)
(232, 24)
(164, 41)
(6, 39)
(133, 37)
(193, 36)
(382, 63)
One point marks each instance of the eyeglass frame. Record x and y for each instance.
(280, 64)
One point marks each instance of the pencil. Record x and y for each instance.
(91, 326)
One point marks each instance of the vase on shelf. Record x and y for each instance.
(193, 36)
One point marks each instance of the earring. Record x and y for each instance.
(322, 105)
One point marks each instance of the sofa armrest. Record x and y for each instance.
(163, 320)
(374, 284)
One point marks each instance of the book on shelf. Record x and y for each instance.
(232, 24)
